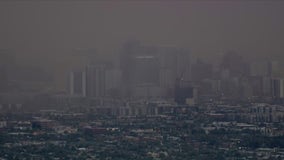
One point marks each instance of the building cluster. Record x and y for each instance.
(169, 73)
(144, 72)
(141, 80)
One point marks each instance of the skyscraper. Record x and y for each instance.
(153, 69)
(77, 83)
(96, 80)
(113, 81)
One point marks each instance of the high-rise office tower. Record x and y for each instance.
(96, 80)
(277, 86)
(145, 70)
(113, 82)
(77, 83)
(140, 67)
(153, 69)
(266, 86)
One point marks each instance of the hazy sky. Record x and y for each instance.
(49, 30)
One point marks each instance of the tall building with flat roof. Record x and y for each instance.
(153, 69)
(277, 87)
(77, 83)
(96, 80)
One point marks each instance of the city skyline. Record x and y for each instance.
(141, 79)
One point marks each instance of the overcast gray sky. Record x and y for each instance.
(48, 30)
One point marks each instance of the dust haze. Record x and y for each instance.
(46, 32)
